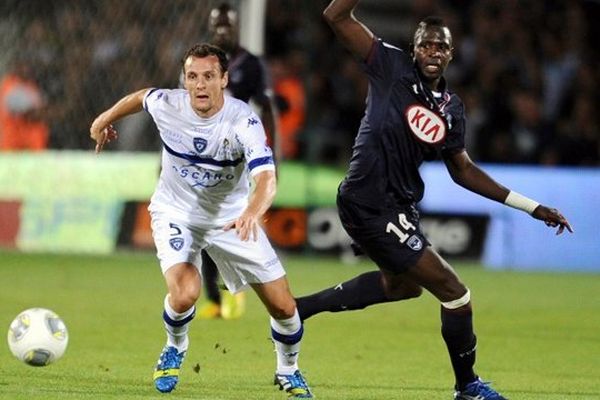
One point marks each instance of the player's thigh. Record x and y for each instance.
(175, 242)
(433, 273)
(390, 237)
(276, 297)
(243, 262)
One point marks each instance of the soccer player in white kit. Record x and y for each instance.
(212, 145)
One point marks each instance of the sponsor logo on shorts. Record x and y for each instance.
(176, 243)
(415, 243)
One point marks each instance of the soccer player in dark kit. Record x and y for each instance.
(411, 116)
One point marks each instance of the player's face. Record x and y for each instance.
(224, 31)
(205, 82)
(433, 52)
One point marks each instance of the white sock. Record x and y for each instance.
(177, 333)
(287, 334)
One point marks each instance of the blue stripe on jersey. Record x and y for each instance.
(145, 97)
(203, 160)
(260, 161)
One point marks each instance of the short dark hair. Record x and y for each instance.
(224, 8)
(202, 50)
(427, 22)
(223, 14)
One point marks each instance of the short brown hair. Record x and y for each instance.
(202, 50)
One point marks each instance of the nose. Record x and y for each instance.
(435, 50)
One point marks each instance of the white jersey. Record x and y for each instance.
(206, 162)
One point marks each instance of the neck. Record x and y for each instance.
(211, 111)
(431, 84)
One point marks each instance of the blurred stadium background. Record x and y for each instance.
(527, 71)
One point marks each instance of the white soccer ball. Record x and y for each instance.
(38, 337)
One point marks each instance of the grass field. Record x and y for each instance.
(539, 336)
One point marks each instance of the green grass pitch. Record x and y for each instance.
(539, 335)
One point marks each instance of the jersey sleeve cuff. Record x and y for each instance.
(261, 168)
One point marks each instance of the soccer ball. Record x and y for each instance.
(38, 337)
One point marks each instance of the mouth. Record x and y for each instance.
(201, 97)
(432, 68)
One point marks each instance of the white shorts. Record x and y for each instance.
(240, 263)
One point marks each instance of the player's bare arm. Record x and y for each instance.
(468, 175)
(265, 188)
(354, 35)
(102, 130)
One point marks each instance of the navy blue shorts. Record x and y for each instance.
(391, 237)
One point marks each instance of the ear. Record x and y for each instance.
(225, 80)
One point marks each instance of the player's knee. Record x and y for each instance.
(450, 288)
(184, 297)
(403, 292)
(283, 310)
(461, 301)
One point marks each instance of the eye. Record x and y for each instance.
(444, 47)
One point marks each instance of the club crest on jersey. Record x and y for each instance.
(200, 144)
(426, 125)
(176, 243)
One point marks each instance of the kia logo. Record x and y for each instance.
(426, 125)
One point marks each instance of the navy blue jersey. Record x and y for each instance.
(247, 77)
(404, 124)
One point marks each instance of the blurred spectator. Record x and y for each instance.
(290, 97)
(22, 104)
(248, 77)
(526, 69)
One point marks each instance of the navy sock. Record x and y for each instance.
(457, 331)
(210, 277)
(355, 294)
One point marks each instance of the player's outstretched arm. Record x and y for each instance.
(102, 130)
(265, 188)
(354, 35)
(468, 175)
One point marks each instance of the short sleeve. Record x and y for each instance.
(455, 141)
(251, 135)
(386, 62)
(150, 99)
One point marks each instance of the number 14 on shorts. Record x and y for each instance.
(401, 231)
